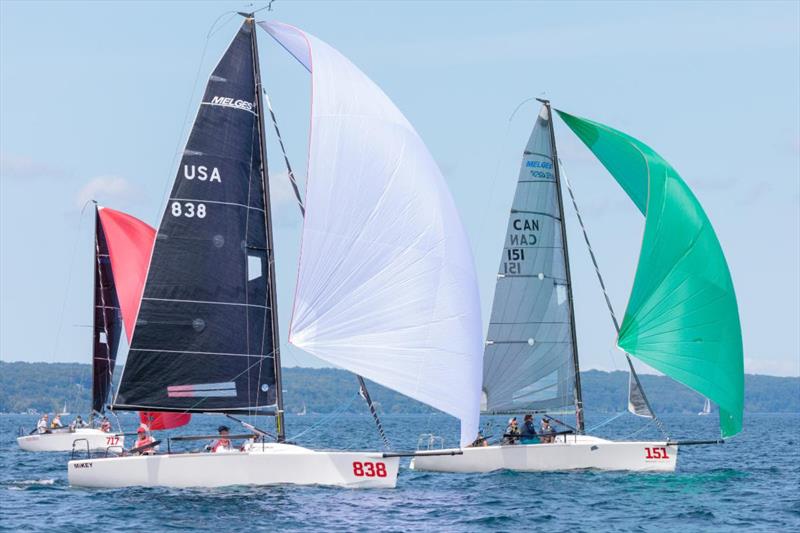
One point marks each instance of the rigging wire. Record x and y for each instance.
(68, 285)
(326, 418)
(633, 374)
(183, 139)
(362, 386)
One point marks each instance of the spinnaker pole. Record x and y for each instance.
(273, 304)
(578, 395)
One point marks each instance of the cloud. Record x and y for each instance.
(23, 167)
(105, 189)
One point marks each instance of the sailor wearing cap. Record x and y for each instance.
(143, 438)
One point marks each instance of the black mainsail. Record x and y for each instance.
(530, 359)
(107, 323)
(206, 334)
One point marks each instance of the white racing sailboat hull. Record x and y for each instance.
(268, 464)
(577, 453)
(61, 441)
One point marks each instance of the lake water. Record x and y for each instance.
(752, 482)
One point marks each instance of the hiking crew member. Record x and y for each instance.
(548, 433)
(143, 438)
(479, 442)
(41, 425)
(56, 423)
(528, 434)
(511, 435)
(105, 425)
(223, 443)
(77, 423)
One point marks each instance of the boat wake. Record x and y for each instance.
(27, 484)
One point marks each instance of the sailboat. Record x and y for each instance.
(386, 286)
(112, 284)
(706, 408)
(64, 411)
(682, 316)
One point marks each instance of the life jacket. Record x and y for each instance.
(221, 444)
(144, 442)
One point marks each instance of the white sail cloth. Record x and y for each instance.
(386, 284)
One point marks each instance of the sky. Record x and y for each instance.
(96, 100)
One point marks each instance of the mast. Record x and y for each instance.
(578, 395)
(97, 280)
(273, 304)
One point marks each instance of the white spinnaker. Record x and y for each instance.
(386, 285)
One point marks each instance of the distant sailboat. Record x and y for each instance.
(64, 411)
(110, 288)
(386, 286)
(682, 317)
(706, 408)
(302, 412)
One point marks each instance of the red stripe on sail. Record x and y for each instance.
(157, 420)
(130, 244)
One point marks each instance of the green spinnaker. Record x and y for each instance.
(682, 318)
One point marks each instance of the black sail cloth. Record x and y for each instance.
(107, 327)
(204, 339)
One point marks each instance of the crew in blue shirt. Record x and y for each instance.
(529, 431)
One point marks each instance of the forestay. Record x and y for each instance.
(682, 317)
(203, 339)
(529, 355)
(386, 283)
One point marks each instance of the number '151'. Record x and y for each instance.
(656, 453)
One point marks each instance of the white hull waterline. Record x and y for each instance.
(267, 464)
(62, 440)
(577, 453)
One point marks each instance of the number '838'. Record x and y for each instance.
(188, 210)
(367, 469)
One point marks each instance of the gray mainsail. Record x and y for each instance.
(530, 359)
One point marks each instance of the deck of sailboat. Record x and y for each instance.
(257, 464)
(570, 452)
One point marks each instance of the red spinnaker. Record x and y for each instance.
(130, 244)
(157, 420)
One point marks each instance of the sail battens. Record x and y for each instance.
(205, 314)
(205, 302)
(540, 154)
(218, 202)
(541, 213)
(232, 354)
(261, 410)
(107, 323)
(682, 316)
(528, 363)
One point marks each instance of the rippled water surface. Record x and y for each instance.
(751, 482)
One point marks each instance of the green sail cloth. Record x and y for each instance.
(682, 317)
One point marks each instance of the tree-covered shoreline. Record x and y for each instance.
(46, 386)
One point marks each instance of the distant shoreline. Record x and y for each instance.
(45, 387)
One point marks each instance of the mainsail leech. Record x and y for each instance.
(682, 317)
(107, 329)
